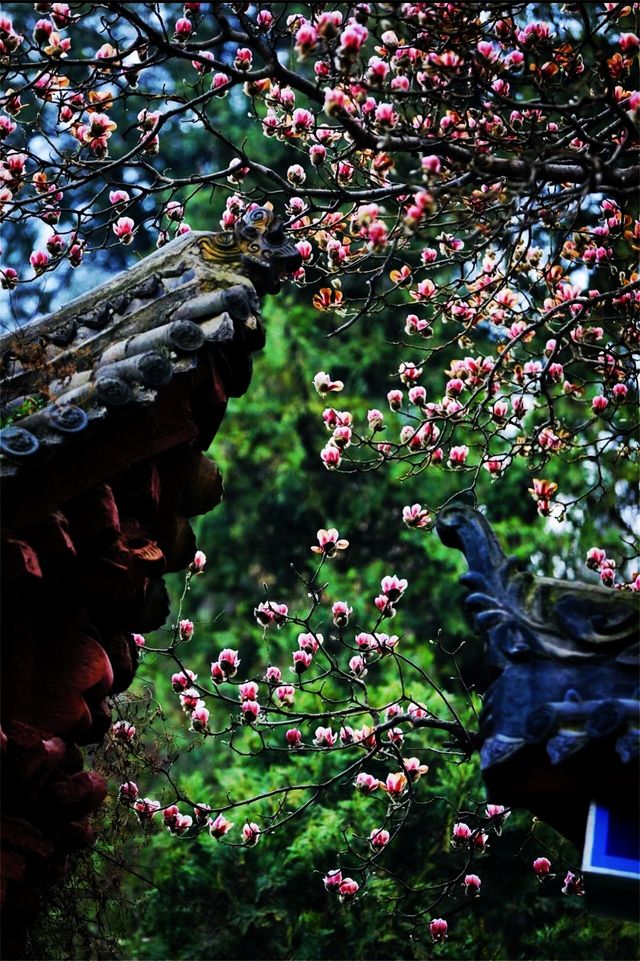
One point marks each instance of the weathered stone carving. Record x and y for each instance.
(561, 720)
(107, 407)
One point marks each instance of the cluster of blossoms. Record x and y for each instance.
(597, 560)
(409, 101)
(148, 809)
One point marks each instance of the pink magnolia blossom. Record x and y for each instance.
(471, 885)
(273, 675)
(386, 115)
(250, 711)
(301, 661)
(243, 59)
(123, 731)
(599, 403)
(8, 278)
(229, 662)
(608, 573)
(174, 821)
(186, 629)
(596, 557)
(480, 841)
(293, 737)
(346, 735)
(117, 197)
(250, 834)
(201, 813)
(324, 385)
(395, 784)
(431, 164)
(500, 410)
(619, 392)
(248, 691)
(438, 930)
(217, 673)
(128, 792)
(296, 175)
(219, 826)
(416, 712)
(358, 665)
(325, 737)
(395, 399)
(306, 40)
(309, 642)
(461, 834)
(342, 437)
(499, 815)
(418, 396)
(454, 386)
(55, 244)
(352, 39)
(174, 211)
(375, 419)
(265, 20)
(146, 808)
(385, 643)
(341, 612)
(183, 28)
(332, 880)
(330, 456)
(329, 542)
(138, 640)
(190, 699)
(203, 68)
(542, 867)
(366, 783)
(317, 154)
(409, 373)
(494, 466)
(76, 253)
(385, 606)
(219, 84)
(573, 884)
(379, 838)
(124, 229)
(629, 42)
(348, 889)
(39, 260)
(366, 642)
(285, 694)
(415, 515)
(458, 455)
(268, 613)
(393, 586)
(414, 768)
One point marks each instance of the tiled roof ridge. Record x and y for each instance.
(163, 312)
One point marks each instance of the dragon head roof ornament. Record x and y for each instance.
(260, 242)
(561, 718)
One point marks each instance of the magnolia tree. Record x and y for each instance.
(321, 702)
(469, 168)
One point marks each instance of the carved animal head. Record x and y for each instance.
(260, 243)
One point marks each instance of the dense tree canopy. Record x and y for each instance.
(461, 182)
